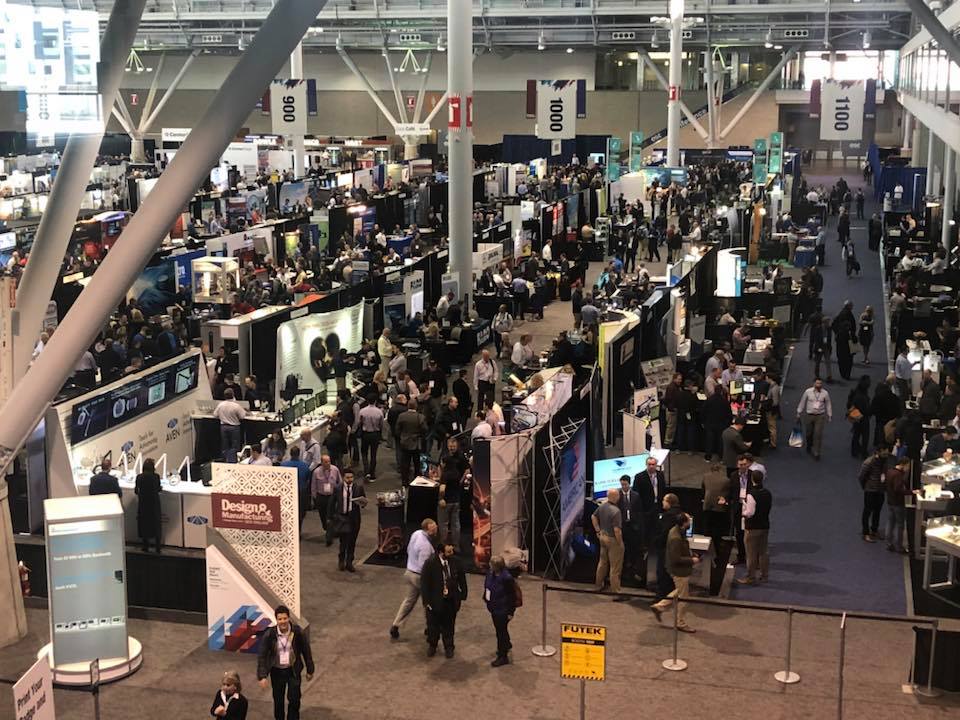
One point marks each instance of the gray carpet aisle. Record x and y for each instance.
(817, 555)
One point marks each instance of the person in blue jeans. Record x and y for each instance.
(500, 594)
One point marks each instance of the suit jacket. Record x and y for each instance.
(733, 446)
(335, 509)
(431, 584)
(411, 429)
(631, 501)
(650, 501)
(716, 486)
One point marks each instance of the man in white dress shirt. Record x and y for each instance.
(420, 547)
(816, 410)
(485, 379)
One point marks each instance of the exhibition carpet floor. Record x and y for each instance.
(817, 555)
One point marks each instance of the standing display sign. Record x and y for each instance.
(583, 652)
(557, 109)
(33, 693)
(614, 147)
(636, 151)
(288, 107)
(86, 576)
(775, 161)
(253, 559)
(760, 161)
(841, 109)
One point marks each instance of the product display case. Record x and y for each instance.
(939, 472)
(931, 501)
(215, 279)
(943, 538)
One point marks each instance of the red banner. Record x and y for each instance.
(453, 107)
(246, 512)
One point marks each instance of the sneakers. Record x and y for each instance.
(745, 581)
(686, 629)
(869, 538)
(394, 632)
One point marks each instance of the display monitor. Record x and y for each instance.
(310, 404)
(607, 473)
(8, 241)
(748, 387)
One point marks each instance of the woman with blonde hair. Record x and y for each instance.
(228, 703)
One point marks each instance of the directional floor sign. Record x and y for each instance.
(582, 651)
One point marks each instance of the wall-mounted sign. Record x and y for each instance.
(246, 512)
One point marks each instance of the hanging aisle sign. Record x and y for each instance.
(614, 146)
(775, 162)
(841, 109)
(557, 109)
(760, 161)
(288, 107)
(636, 150)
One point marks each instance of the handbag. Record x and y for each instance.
(517, 594)
(796, 437)
(854, 415)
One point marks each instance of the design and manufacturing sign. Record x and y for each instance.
(582, 651)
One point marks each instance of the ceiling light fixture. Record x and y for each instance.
(768, 40)
(541, 45)
(653, 40)
(866, 40)
(569, 50)
(441, 46)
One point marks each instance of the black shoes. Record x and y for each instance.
(341, 565)
(431, 650)
(448, 653)
(501, 660)
(394, 632)
(350, 568)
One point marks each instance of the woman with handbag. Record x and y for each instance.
(865, 332)
(500, 593)
(858, 413)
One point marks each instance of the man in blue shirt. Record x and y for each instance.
(419, 549)
(303, 480)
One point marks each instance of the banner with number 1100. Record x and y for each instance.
(841, 109)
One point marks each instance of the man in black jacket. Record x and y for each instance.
(461, 391)
(844, 330)
(284, 652)
(103, 483)
(443, 586)
(651, 487)
(344, 518)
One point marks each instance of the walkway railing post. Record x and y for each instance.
(929, 690)
(843, 649)
(787, 676)
(675, 663)
(543, 650)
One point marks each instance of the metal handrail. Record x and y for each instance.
(786, 676)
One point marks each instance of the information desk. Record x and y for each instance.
(185, 509)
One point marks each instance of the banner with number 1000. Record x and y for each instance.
(841, 109)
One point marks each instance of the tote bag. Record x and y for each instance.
(796, 437)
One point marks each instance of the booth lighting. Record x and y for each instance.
(778, 47)
(768, 41)
(357, 209)
(619, 63)
(763, 211)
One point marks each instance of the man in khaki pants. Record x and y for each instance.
(680, 562)
(608, 523)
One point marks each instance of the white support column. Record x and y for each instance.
(40, 276)
(931, 141)
(673, 92)
(711, 99)
(640, 72)
(907, 132)
(460, 156)
(949, 192)
(147, 123)
(348, 61)
(299, 149)
(401, 110)
(279, 33)
(658, 74)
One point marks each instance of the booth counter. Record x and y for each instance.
(185, 508)
(943, 537)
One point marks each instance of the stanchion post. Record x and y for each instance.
(583, 699)
(675, 663)
(929, 690)
(787, 676)
(543, 650)
(843, 649)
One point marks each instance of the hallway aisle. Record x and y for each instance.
(818, 556)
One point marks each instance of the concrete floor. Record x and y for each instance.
(363, 675)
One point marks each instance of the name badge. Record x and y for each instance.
(327, 488)
(486, 594)
(284, 657)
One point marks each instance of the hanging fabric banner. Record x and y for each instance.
(841, 109)
(557, 109)
(288, 107)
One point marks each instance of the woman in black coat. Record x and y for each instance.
(148, 505)
(859, 398)
(228, 703)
